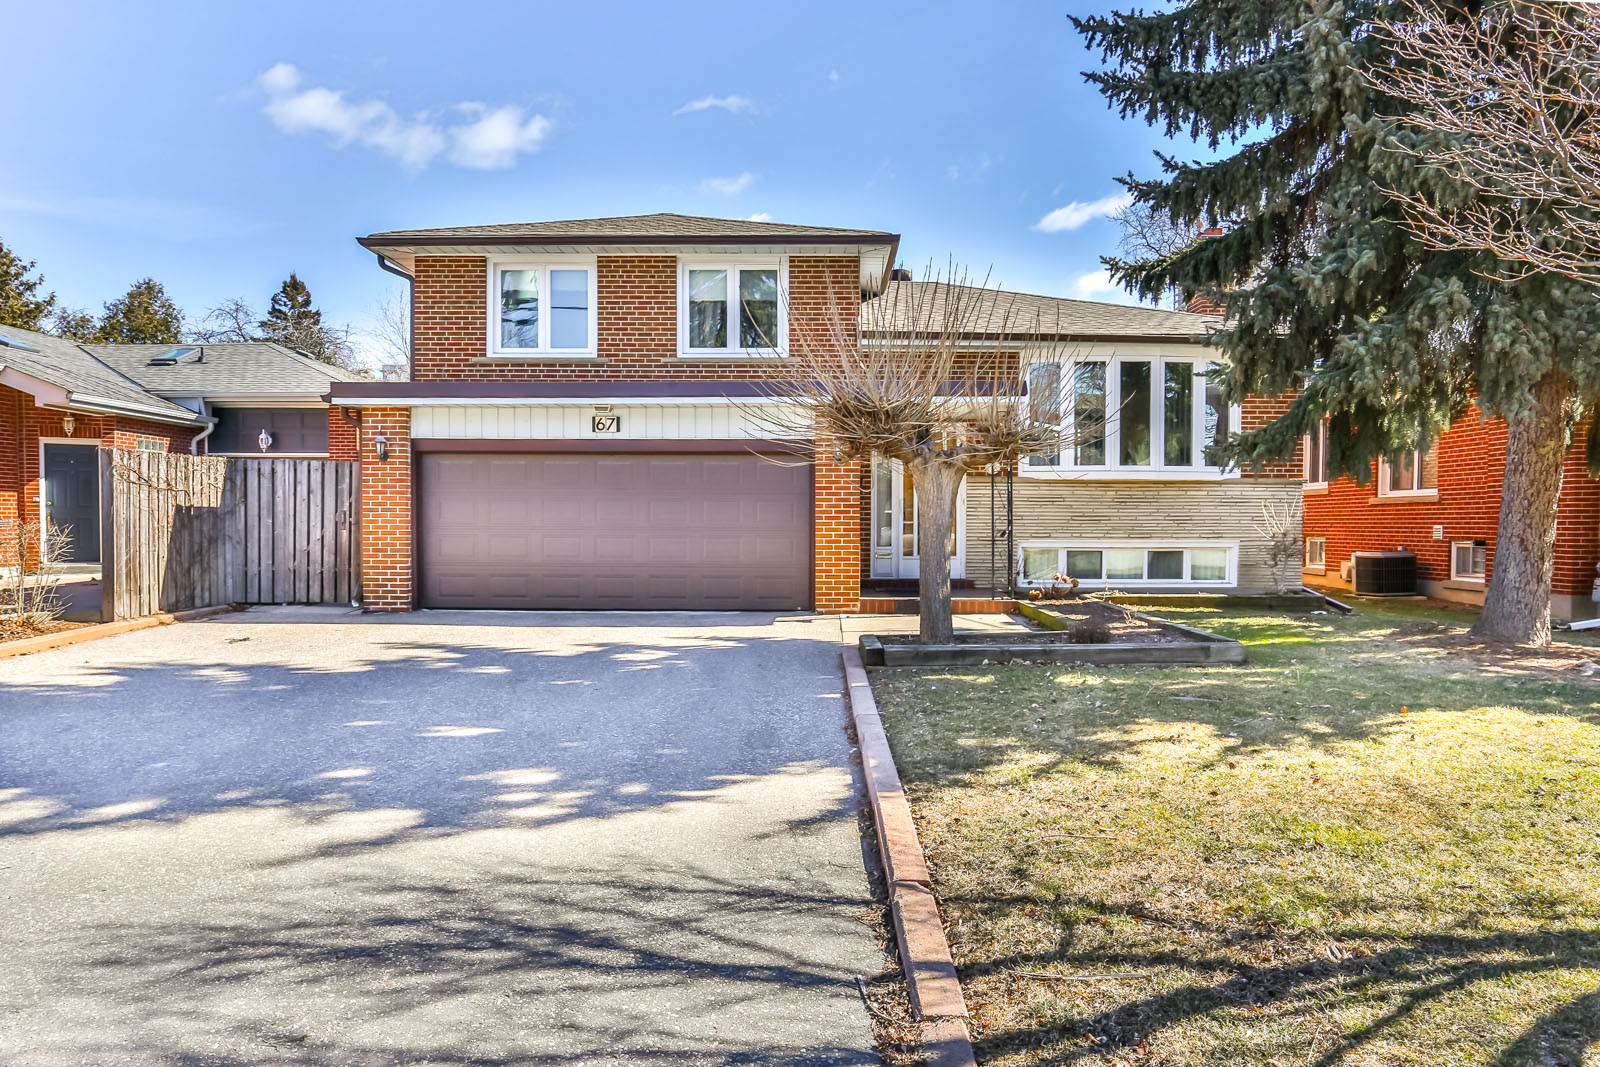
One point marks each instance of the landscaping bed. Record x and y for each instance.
(1358, 849)
(16, 630)
(1072, 631)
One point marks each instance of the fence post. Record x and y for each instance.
(108, 537)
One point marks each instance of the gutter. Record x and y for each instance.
(211, 424)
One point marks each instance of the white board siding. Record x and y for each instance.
(654, 422)
(1171, 513)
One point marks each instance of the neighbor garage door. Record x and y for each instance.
(613, 531)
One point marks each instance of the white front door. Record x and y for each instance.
(894, 523)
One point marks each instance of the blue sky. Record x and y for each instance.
(217, 146)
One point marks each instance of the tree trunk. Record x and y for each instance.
(1516, 607)
(937, 482)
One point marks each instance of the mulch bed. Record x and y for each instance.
(16, 630)
(1125, 628)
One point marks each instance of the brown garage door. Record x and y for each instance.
(704, 532)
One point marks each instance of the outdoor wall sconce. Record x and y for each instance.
(68, 423)
(264, 439)
(380, 445)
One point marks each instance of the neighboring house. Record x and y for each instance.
(578, 432)
(60, 400)
(1444, 505)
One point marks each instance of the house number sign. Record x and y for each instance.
(606, 424)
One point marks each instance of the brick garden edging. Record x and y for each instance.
(45, 642)
(924, 952)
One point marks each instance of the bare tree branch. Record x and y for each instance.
(1502, 100)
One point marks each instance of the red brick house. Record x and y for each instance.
(1444, 505)
(60, 400)
(578, 432)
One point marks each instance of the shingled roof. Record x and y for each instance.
(662, 228)
(87, 382)
(220, 369)
(1022, 315)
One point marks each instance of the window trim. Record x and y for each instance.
(1078, 545)
(1321, 566)
(733, 264)
(1420, 457)
(544, 265)
(1475, 579)
(1321, 433)
(1157, 469)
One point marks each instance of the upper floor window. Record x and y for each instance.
(1129, 413)
(728, 308)
(544, 307)
(1411, 473)
(1317, 457)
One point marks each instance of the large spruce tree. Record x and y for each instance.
(1326, 294)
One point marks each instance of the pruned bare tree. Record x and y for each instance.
(1502, 100)
(30, 584)
(232, 321)
(947, 377)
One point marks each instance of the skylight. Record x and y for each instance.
(12, 342)
(173, 357)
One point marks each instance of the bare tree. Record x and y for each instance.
(948, 378)
(232, 321)
(391, 330)
(1503, 101)
(1149, 234)
(30, 589)
(1279, 527)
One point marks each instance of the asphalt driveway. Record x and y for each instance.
(299, 836)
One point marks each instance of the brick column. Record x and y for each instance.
(836, 519)
(342, 443)
(386, 526)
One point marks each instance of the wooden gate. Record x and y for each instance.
(186, 531)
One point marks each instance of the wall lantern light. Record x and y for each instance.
(264, 439)
(68, 423)
(380, 444)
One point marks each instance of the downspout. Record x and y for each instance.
(411, 312)
(211, 424)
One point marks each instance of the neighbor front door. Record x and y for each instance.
(894, 523)
(72, 500)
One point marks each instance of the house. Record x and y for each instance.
(60, 399)
(578, 432)
(1444, 505)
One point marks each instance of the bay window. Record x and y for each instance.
(731, 309)
(1155, 414)
(542, 308)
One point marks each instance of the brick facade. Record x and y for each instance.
(343, 435)
(1470, 459)
(387, 527)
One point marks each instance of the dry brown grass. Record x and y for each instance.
(1357, 850)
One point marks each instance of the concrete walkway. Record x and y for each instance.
(299, 836)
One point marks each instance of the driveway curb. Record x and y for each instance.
(924, 952)
(45, 642)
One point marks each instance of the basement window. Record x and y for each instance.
(1128, 565)
(1316, 554)
(1468, 561)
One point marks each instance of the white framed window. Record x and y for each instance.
(1128, 564)
(542, 307)
(1316, 450)
(1132, 415)
(732, 307)
(1468, 561)
(1410, 474)
(1315, 557)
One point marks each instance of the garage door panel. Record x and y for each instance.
(613, 531)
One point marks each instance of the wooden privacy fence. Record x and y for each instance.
(180, 531)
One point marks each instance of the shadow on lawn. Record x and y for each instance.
(1407, 974)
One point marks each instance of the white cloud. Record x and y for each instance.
(133, 213)
(733, 104)
(1079, 212)
(727, 186)
(481, 137)
(1097, 285)
(760, 216)
(835, 77)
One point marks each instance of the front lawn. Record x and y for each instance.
(1366, 847)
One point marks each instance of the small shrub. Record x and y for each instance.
(1089, 632)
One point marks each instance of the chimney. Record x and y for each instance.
(1204, 303)
(899, 274)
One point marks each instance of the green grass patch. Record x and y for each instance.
(1357, 849)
